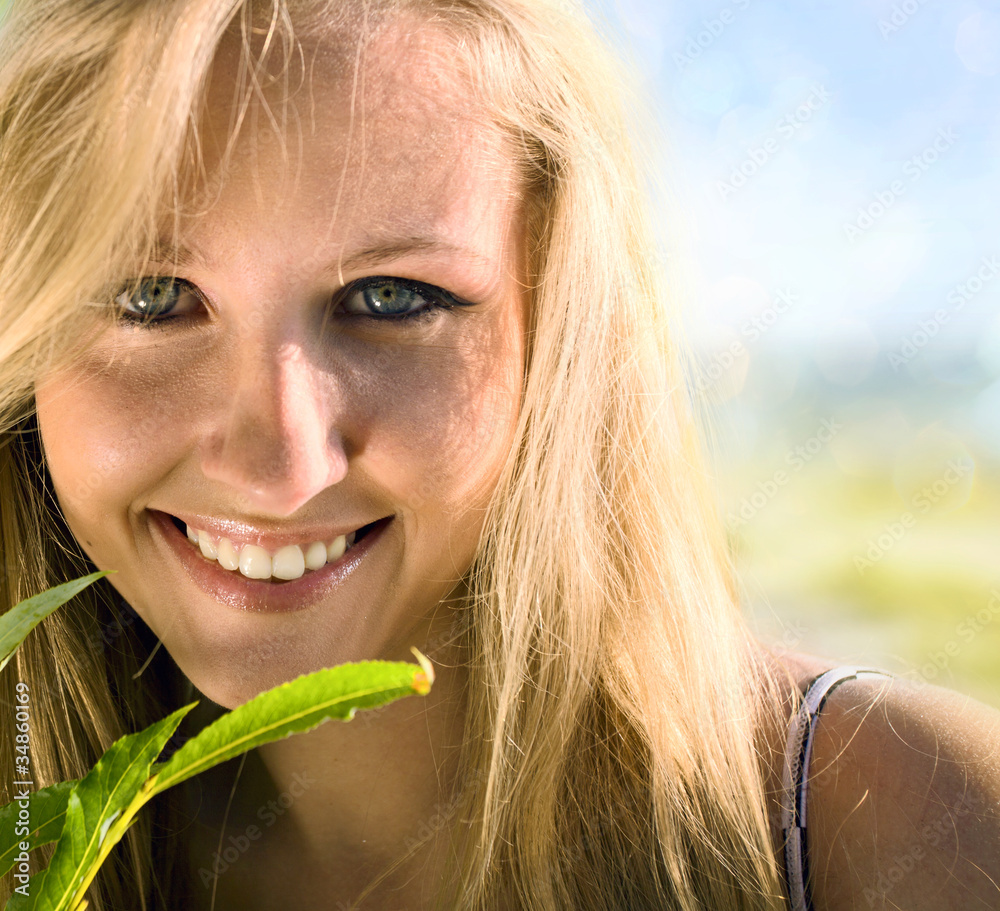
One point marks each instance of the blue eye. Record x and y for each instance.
(156, 298)
(382, 298)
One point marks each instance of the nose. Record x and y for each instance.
(273, 441)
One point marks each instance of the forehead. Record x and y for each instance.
(377, 125)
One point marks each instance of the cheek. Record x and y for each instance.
(108, 434)
(446, 425)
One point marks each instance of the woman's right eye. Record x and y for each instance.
(156, 299)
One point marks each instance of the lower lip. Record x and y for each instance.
(260, 596)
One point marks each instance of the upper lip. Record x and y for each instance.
(269, 536)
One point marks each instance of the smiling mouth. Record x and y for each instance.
(286, 564)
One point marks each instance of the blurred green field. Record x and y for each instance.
(864, 516)
(852, 568)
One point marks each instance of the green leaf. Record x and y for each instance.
(102, 806)
(111, 793)
(22, 618)
(300, 705)
(46, 812)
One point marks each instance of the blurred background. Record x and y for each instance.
(832, 214)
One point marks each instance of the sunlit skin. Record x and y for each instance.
(260, 402)
(260, 399)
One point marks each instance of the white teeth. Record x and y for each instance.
(288, 563)
(336, 549)
(229, 557)
(315, 557)
(207, 546)
(255, 562)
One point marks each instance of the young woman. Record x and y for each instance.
(335, 329)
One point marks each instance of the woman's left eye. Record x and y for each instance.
(384, 298)
(156, 299)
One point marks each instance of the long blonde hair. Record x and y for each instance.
(616, 701)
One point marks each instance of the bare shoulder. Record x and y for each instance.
(904, 799)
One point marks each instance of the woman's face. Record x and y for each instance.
(273, 399)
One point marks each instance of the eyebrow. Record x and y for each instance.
(406, 246)
(367, 257)
(166, 251)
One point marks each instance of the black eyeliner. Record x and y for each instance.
(438, 298)
(147, 321)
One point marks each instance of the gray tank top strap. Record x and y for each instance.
(795, 779)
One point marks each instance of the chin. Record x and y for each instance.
(236, 687)
(232, 671)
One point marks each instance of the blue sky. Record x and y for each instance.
(899, 120)
(844, 156)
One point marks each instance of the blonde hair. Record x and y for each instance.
(616, 702)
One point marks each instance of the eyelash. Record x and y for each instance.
(135, 287)
(437, 300)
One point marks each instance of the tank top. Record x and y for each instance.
(795, 779)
